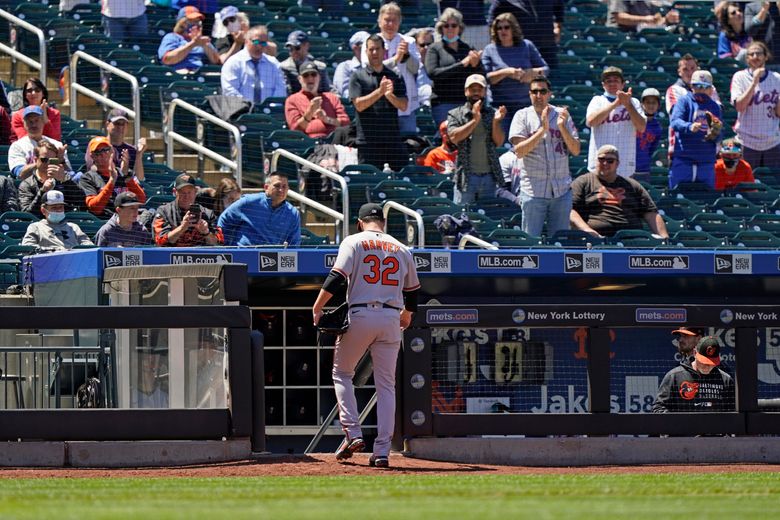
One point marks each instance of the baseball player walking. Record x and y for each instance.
(382, 287)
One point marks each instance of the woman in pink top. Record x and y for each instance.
(36, 93)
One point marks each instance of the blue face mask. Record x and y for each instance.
(609, 96)
(450, 40)
(55, 217)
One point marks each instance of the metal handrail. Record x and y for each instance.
(306, 201)
(388, 205)
(477, 241)
(343, 217)
(38, 65)
(76, 87)
(235, 165)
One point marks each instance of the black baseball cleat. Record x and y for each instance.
(378, 461)
(348, 447)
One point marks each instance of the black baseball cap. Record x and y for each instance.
(126, 198)
(708, 351)
(184, 179)
(370, 209)
(308, 66)
(690, 331)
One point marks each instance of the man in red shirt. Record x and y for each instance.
(315, 114)
(442, 158)
(731, 168)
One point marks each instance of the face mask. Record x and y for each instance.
(701, 98)
(55, 217)
(234, 27)
(450, 40)
(730, 163)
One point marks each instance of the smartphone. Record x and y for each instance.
(54, 161)
(195, 209)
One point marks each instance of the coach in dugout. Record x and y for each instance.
(604, 203)
(697, 385)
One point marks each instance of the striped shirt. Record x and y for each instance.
(757, 125)
(123, 8)
(239, 75)
(617, 130)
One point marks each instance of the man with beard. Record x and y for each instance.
(475, 129)
(687, 339)
(306, 111)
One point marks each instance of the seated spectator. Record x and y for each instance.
(186, 48)
(52, 233)
(604, 202)
(184, 223)
(695, 120)
(511, 167)
(732, 40)
(116, 127)
(8, 196)
(449, 62)
(21, 154)
(306, 111)
(123, 229)
(647, 142)
(125, 21)
(511, 62)
(298, 46)
(104, 181)
(35, 93)
(442, 158)
(731, 168)
(49, 175)
(345, 69)
(697, 385)
(378, 95)
(219, 198)
(263, 218)
(230, 33)
(241, 71)
(635, 15)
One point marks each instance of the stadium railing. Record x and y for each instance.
(392, 205)
(77, 88)
(16, 55)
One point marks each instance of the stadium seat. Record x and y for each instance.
(755, 240)
(310, 239)
(430, 204)
(765, 222)
(698, 192)
(696, 239)
(735, 207)
(396, 190)
(635, 238)
(574, 238)
(678, 208)
(512, 238)
(716, 224)
(756, 192)
(496, 208)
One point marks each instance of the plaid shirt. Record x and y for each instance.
(460, 116)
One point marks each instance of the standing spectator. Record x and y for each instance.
(49, 174)
(614, 118)
(233, 26)
(730, 168)
(104, 181)
(476, 130)
(443, 158)
(35, 93)
(511, 165)
(511, 62)
(402, 57)
(695, 120)
(378, 95)
(698, 385)
(116, 127)
(8, 196)
(647, 142)
(52, 233)
(424, 39)
(21, 158)
(542, 20)
(345, 69)
(604, 202)
(754, 93)
(184, 223)
(263, 218)
(635, 15)
(761, 18)
(543, 136)
(186, 47)
(732, 40)
(124, 230)
(316, 115)
(124, 21)
(448, 63)
(250, 73)
(474, 19)
(298, 46)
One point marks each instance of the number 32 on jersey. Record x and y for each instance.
(381, 271)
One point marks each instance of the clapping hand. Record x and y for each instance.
(476, 111)
(563, 116)
(403, 49)
(546, 118)
(624, 97)
(500, 113)
(387, 86)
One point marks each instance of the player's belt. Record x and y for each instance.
(383, 305)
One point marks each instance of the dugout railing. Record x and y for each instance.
(416, 378)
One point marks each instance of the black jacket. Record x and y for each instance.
(683, 389)
(30, 195)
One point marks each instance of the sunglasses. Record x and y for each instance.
(539, 91)
(756, 53)
(425, 45)
(34, 90)
(261, 43)
(450, 26)
(295, 47)
(229, 20)
(101, 151)
(194, 25)
(310, 74)
(607, 160)
(44, 160)
(504, 28)
(701, 85)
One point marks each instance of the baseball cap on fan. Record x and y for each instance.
(702, 79)
(689, 331)
(708, 351)
(476, 78)
(117, 115)
(190, 12)
(53, 197)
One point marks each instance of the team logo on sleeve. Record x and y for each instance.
(688, 390)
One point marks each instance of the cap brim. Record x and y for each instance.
(118, 118)
(686, 332)
(704, 360)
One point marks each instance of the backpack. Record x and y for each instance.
(453, 228)
(90, 394)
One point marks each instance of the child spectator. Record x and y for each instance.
(647, 142)
(731, 168)
(442, 159)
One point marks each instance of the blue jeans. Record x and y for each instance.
(408, 124)
(478, 187)
(439, 112)
(126, 30)
(537, 210)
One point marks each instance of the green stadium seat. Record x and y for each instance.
(290, 140)
(765, 222)
(16, 251)
(696, 191)
(496, 208)
(310, 239)
(716, 224)
(756, 192)
(735, 207)
(631, 67)
(603, 35)
(396, 190)
(689, 238)
(574, 238)
(755, 240)
(635, 238)
(512, 238)
(654, 79)
(678, 208)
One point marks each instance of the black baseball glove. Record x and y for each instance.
(335, 321)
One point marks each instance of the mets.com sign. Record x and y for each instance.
(661, 315)
(451, 316)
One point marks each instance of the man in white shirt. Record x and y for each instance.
(21, 158)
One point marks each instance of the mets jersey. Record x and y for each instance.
(379, 268)
(617, 130)
(757, 126)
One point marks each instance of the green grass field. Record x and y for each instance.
(657, 496)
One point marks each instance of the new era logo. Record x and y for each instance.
(267, 262)
(421, 262)
(573, 263)
(741, 263)
(582, 263)
(112, 258)
(722, 264)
